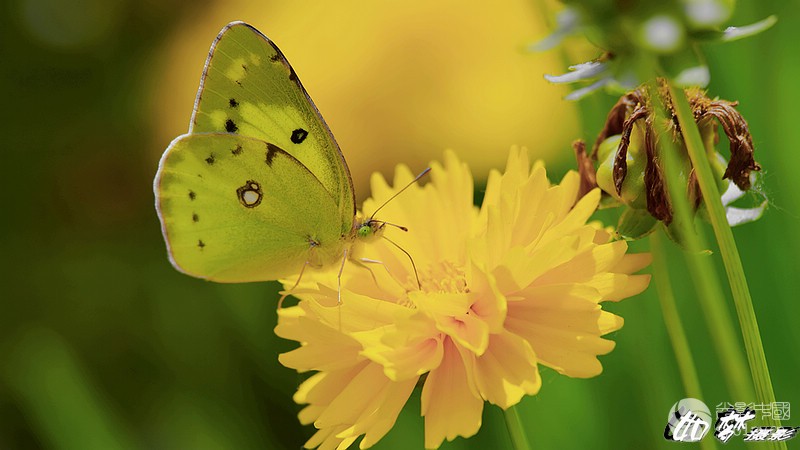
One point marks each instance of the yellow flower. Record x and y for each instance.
(501, 289)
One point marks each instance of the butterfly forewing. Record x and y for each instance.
(237, 209)
(249, 88)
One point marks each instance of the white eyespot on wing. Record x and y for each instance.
(250, 195)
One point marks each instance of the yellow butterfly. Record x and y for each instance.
(258, 188)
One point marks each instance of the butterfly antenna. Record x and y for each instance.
(422, 174)
(414, 266)
(389, 223)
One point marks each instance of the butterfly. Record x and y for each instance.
(258, 188)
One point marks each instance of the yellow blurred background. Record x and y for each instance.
(396, 82)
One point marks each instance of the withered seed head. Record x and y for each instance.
(635, 107)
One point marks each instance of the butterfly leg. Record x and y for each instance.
(362, 262)
(289, 292)
(339, 279)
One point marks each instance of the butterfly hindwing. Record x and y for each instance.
(249, 88)
(237, 209)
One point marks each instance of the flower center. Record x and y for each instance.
(443, 277)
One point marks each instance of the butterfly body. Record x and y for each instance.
(258, 187)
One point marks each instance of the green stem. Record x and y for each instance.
(672, 320)
(675, 330)
(710, 296)
(727, 246)
(519, 439)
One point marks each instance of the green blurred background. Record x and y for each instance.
(104, 345)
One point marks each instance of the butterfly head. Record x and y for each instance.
(370, 228)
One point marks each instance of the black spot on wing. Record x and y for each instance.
(230, 126)
(237, 150)
(233, 103)
(274, 58)
(201, 244)
(195, 218)
(210, 160)
(271, 151)
(299, 135)
(292, 75)
(192, 195)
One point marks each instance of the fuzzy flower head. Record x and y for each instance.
(497, 291)
(639, 38)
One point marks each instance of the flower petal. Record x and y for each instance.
(448, 403)
(324, 348)
(633, 262)
(451, 313)
(350, 402)
(563, 324)
(385, 416)
(488, 302)
(507, 370)
(617, 286)
(412, 348)
(578, 72)
(323, 387)
(585, 265)
(576, 218)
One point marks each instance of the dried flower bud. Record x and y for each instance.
(629, 169)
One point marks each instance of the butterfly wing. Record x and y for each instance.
(238, 209)
(249, 88)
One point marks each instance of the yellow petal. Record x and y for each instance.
(633, 262)
(585, 265)
(377, 421)
(488, 302)
(324, 440)
(350, 402)
(571, 352)
(519, 268)
(323, 387)
(451, 314)
(324, 349)
(563, 325)
(507, 370)
(341, 411)
(576, 217)
(448, 404)
(615, 286)
(414, 347)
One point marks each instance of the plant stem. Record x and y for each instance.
(675, 330)
(677, 335)
(519, 439)
(704, 278)
(727, 246)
